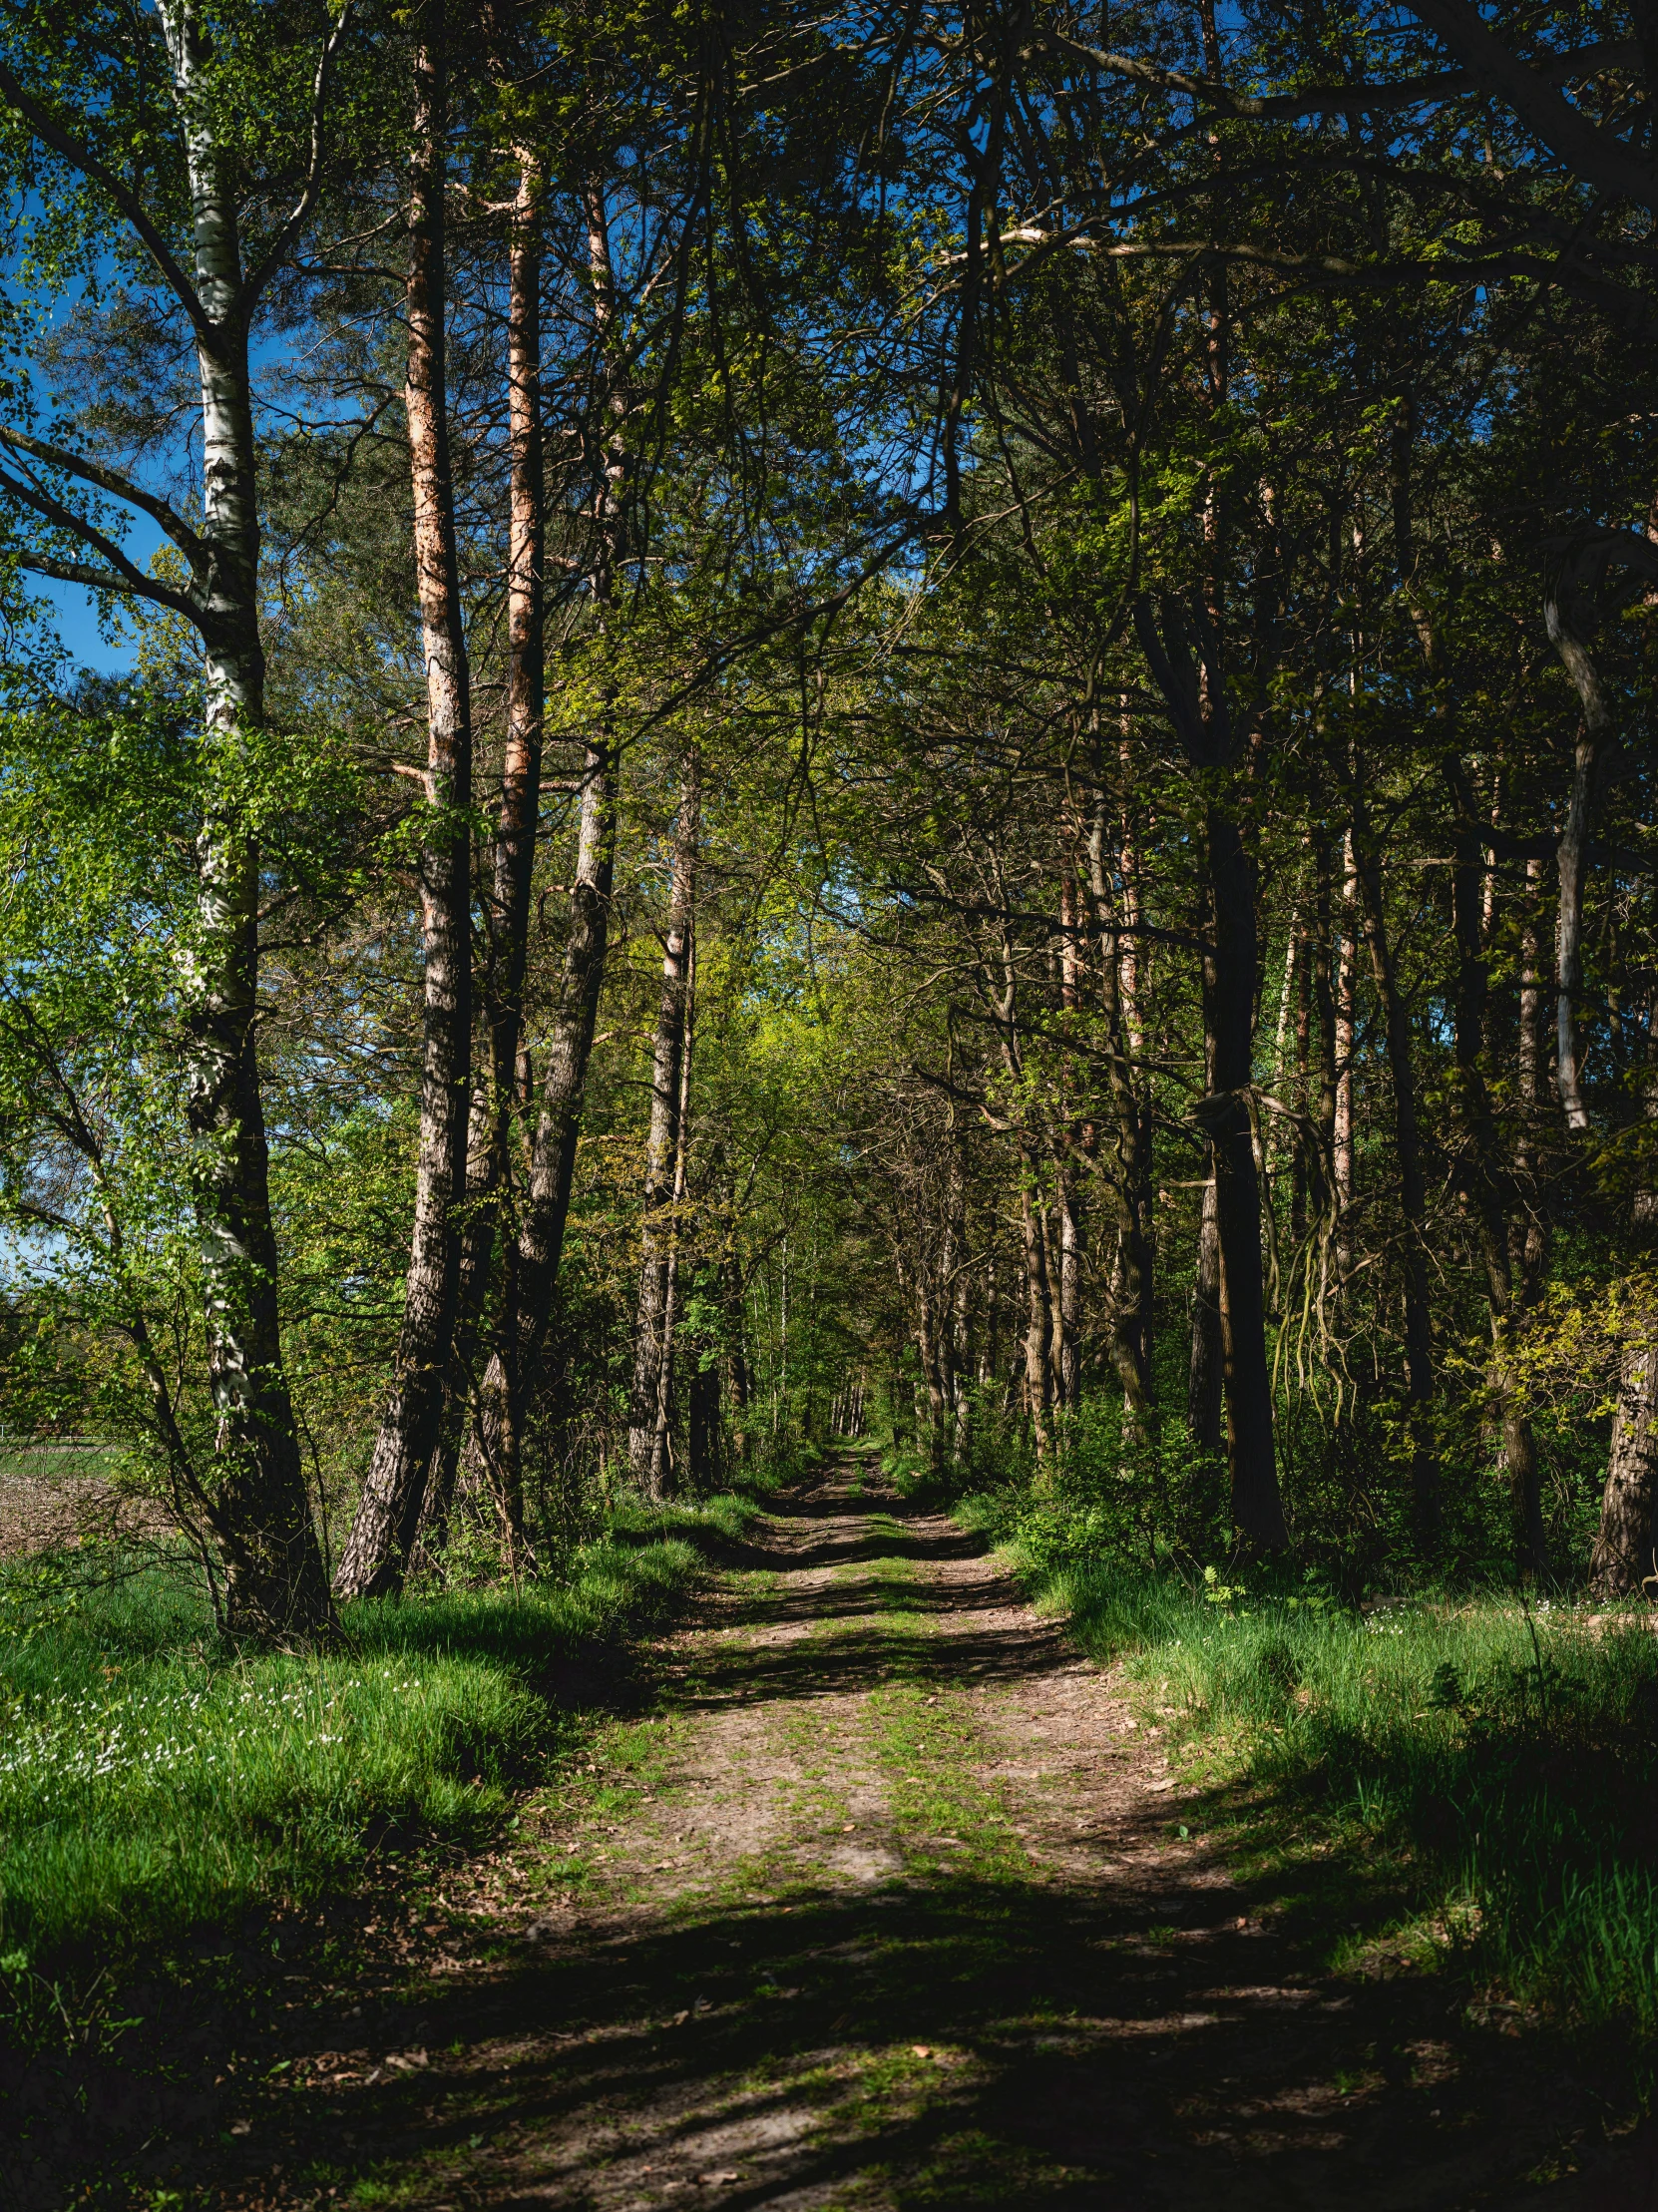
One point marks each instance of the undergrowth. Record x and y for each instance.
(155, 1783)
(1503, 1754)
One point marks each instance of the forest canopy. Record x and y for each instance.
(922, 721)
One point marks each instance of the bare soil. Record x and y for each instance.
(880, 1901)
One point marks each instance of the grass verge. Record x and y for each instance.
(1479, 1776)
(154, 1785)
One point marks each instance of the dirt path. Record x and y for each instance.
(887, 1906)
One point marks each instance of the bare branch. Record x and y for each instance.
(114, 482)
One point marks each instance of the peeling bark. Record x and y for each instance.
(259, 1510)
(383, 1533)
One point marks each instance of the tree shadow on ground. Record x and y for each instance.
(976, 2041)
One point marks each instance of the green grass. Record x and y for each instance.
(153, 1784)
(1476, 1774)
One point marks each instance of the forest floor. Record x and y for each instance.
(878, 1896)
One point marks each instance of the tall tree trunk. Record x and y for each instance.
(1345, 1029)
(507, 914)
(1203, 1375)
(703, 1411)
(1625, 1556)
(1068, 1363)
(1591, 758)
(374, 1558)
(1072, 1234)
(257, 1506)
(1129, 1184)
(1532, 1072)
(1418, 1345)
(1301, 1174)
(661, 1442)
(1229, 987)
(650, 1345)
(544, 1210)
(1488, 1187)
(1039, 1371)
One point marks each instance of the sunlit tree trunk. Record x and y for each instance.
(1625, 1556)
(651, 1349)
(1038, 1326)
(383, 1533)
(1129, 1184)
(261, 1514)
(543, 1210)
(660, 1480)
(1345, 1032)
(498, 1098)
(1203, 1373)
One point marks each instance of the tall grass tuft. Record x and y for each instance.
(1509, 1753)
(153, 1784)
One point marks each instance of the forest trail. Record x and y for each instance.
(887, 1906)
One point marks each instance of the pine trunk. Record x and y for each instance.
(383, 1533)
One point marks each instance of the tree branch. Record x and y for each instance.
(86, 161)
(111, 481)
(127, 576)
(1589, 153)
(253, 285)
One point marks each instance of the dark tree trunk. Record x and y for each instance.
(1487, 1188)
(1419, 1344)
(1300, 1167)
(1591, 758)
(704, 1412)
(381, 1537)
(1229, 981)
(1073, 1231)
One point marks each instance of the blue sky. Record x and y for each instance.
(74, 613)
